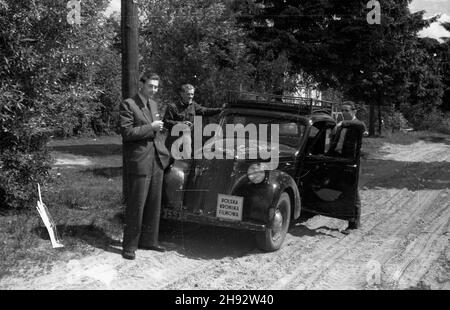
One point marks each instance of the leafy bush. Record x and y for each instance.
(72, 111)
(444, 126)
(394, 120)
(46, 84)
(24, 160)
(436, 121)
(428, 119)
(195, 42)
(19, 175)
(108, 79)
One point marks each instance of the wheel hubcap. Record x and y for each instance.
(277, 224)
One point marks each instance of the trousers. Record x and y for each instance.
(142, 213)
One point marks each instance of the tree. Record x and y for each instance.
(332, 41)
(49, 82)
(445, 67)
(425, 87)
(194, 42)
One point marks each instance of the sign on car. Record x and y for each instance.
(229, 207)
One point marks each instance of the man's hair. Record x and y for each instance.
(351, 104)
(148, 76)
(187, 87)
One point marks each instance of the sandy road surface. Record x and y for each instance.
(403, 242)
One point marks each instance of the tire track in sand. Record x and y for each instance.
(352, 269)
(391, 219)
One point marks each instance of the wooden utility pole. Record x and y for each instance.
(130, 48)
(130, 60)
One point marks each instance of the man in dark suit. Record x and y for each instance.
(145, 158)
(349, 149)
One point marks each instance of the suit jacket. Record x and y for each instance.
(179, 112)
(141, 144)
(348, 139)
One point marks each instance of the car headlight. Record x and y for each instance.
(256, 173)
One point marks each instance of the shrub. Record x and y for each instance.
(443, 124)
(433, 121)
(394, 120)
(24, 159)
(72, 110)
(429, 119)
(49, 82)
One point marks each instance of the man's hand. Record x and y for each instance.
(157, 125)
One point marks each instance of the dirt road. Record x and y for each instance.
(403, 242)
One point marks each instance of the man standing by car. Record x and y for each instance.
(146, 157)
(183, 112)
(349, 115)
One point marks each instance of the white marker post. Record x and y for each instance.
(48, 222)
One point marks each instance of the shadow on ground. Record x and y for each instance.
(410, 175)
(206, 242)
(88, 234)
(209, 242)
(436, 139)
(410, 138)
(190, 240)
(301, 230)
(107, 172)
(93, 150)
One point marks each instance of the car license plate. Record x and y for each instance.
(229, 207)
(172, 214)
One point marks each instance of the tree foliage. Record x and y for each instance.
(445, 67)
(50, 84)
(333, 41)
(194, 42)
(200, 42)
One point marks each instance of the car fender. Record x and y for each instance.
(261, 199)
(175, 179)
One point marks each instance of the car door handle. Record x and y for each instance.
(350, 168)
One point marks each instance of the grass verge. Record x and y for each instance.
(83, 202)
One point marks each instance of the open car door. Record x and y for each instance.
(330, 173)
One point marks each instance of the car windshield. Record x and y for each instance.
(290, 130)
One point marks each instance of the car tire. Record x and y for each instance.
(273, 237)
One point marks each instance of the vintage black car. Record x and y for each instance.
(317, 173)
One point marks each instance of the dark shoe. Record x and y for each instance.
(346, 231)
(352, 225)
(128, 255)
(157, 248)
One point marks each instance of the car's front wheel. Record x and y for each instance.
(272, 238)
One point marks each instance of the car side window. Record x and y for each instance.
(290, 133)
(316, 141)
(344, 144)
(319, 140)
(328, 138)
(313, 132)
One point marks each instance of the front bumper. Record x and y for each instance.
(184, 216)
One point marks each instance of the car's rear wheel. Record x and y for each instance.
(272, 238)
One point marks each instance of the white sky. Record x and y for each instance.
(114, 6)
(432, 7)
